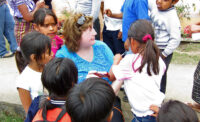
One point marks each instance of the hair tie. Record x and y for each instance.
(81, 20)
(146, 38)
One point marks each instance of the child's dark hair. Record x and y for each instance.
(58, 77)
(176, 111)
(138, 31)
(90, 101)
(40, 14)
(32, 43)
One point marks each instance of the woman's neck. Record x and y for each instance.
(86, 53)
(35, 67)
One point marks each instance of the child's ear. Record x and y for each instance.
(110, 117)
(36, 27)
(32, 57)
(174, 2)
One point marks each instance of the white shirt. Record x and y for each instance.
(87, 7)
(142, 90)
(115, 6)
(30, 80)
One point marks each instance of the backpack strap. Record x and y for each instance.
(61, 114)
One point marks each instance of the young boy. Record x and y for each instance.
(91, 101)
(132, 10)
(167, 31)
(113, 27)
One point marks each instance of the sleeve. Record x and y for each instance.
(19, 2)
(174, 30)
(95, 8)
(122, 71)
(141, 9)
(22, 83)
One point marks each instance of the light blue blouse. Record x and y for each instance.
(102, 60)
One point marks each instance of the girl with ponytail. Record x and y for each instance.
(141, 71)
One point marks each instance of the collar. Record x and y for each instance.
(57, 102)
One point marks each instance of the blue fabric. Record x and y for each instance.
(34, 107)
(144, 119)
(133, 10)
(6, 30)
(102, 60)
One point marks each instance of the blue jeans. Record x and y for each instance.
(144, 119)
(6, 30)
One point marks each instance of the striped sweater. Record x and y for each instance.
(167, 29)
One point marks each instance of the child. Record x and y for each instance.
(58, 77)
(132, 10)
(175, 111)
(91, 101)
(36, 51)
(45, 21)
(141, 71)
(113, 27)
(167, 31)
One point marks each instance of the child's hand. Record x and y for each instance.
(117, 59)
(126, 45)
(108, 12)
(40, 4)
(119, 35)
(155, 109)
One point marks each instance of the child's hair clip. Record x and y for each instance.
(147, 37)
(81, 20)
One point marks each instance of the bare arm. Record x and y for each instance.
(28, 16)
(117, 59)
(109, 13)
(25, 98)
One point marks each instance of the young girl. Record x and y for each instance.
(141, 71)
(36, 51)
(45, 21)
(58, 77)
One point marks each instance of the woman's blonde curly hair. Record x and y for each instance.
(72, 31)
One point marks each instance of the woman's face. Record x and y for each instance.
(88, 37)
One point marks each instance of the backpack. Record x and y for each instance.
(53, 115)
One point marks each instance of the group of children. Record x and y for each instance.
(92, 100)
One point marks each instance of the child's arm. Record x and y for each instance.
(174, 33)
(109, 13)
(28, 16)
(117, 59)
(25, 98)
